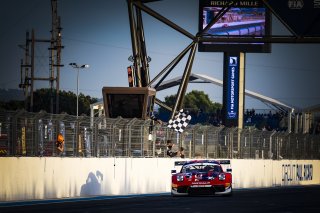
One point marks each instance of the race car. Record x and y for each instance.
(202, 177)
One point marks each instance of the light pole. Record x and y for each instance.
(78, 67)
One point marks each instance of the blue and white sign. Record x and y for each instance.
(233, 87)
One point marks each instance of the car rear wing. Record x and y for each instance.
(179, 163)
(224, 161)
(225, 164)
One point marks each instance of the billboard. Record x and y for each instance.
(301, 15)
(231, 89)
(128, 102)
(246, 18)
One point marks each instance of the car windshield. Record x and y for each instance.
(192, 168)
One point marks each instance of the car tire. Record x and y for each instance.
(229, 194)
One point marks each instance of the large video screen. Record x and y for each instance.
(125, 105)
(247, 18)
(128, 102)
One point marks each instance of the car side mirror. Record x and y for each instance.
(229, 170)
(173, 171)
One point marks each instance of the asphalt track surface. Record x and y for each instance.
(280, 199)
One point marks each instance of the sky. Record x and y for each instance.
(97, 33)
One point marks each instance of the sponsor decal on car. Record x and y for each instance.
(200, 183)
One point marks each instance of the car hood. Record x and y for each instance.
(201, 175)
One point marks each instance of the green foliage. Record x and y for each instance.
(195, 101)
(42, 101)
(170, 100)
(11, 105)
(67, 101)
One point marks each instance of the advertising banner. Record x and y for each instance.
(233, 87)
(302, 16)
(231, 91)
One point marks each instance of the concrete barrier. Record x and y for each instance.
(26, 178)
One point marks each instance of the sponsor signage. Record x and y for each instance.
(232, 87)
(302, 16)
(294, 173)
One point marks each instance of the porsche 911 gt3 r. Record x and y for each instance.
(205, 177)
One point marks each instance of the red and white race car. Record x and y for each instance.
(202, 177)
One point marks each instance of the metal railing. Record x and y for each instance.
(34, 134)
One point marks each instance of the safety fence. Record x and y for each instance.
(34, 134)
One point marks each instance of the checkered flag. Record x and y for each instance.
(180, 121)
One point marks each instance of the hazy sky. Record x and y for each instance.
(97, 33)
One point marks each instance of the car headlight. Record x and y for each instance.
(222, 176)
(180, 178)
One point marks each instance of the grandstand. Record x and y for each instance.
(313, 113)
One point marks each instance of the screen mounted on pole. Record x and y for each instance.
(247, 18)
(128, 102)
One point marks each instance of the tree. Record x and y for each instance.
(67, 101)
(11, 105)
(195, 101)
(42, 101)
(200, 107)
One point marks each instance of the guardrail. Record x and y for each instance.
(34, 134)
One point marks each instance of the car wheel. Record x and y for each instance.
(229, 194)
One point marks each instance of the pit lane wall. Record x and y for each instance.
(26, 178)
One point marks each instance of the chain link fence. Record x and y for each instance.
(34, 134)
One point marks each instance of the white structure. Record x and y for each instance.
(29, 178)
